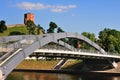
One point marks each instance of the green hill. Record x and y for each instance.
(16, 30)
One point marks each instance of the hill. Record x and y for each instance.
(15, 30)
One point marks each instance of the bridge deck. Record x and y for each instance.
(76, 53)
(29, 43)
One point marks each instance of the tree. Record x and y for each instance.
(3, 26)
(30, 26)
(59, 30)
(110, 40)
(40, 29)
(52, 27)
(90, 36)
(73, 42)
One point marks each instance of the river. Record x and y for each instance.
(58, 76)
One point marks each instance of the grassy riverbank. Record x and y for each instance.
(33, 64)
(73, 64)
(43, 64)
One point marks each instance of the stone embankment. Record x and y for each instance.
(115, 70)
(15, 25)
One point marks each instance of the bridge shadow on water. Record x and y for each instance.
(90, 65)
(75, 66)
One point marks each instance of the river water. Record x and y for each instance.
(57, 76)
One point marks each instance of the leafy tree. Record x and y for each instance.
(16, 33)
(40, 29)
(59, 30)
(110, 40)
(30, 26)
(3, 26)
(91, 36)
(73, 42)
(52, 27)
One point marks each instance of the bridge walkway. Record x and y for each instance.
(79, 53)
(36, 42)
(20, 50)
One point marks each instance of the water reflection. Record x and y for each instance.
(48, 76)
(39, 76)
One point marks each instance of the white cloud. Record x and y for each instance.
(41, 6)
(31, 6)
(57, 10)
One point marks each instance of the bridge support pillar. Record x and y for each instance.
(1, 75)
(115, 65)
(60, 64)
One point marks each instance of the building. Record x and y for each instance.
(28, 16)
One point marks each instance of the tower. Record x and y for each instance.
(28, 16)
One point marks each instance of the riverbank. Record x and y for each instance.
(34, 64)
(74, 72)
(71, 67)
(48, 64)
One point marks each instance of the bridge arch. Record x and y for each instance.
(40, 41)
(56, 36)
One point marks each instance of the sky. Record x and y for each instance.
(71, 15)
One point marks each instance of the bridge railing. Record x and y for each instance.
(82, 50)
(57, 47)
(7, 39)
(78, 50)
(110, 53)
(7, 50)
(88, 51)
(75, 50)
(11, 49)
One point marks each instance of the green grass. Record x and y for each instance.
(43, 64)
(17, 30)
(33, 64)
(73, 64)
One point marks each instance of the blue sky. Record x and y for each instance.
(71, 15)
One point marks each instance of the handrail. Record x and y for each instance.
(10, 57)
(68, 51)
(14, 47)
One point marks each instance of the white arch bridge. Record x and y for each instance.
(15, 49)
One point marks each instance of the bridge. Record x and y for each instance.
(15, 49)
